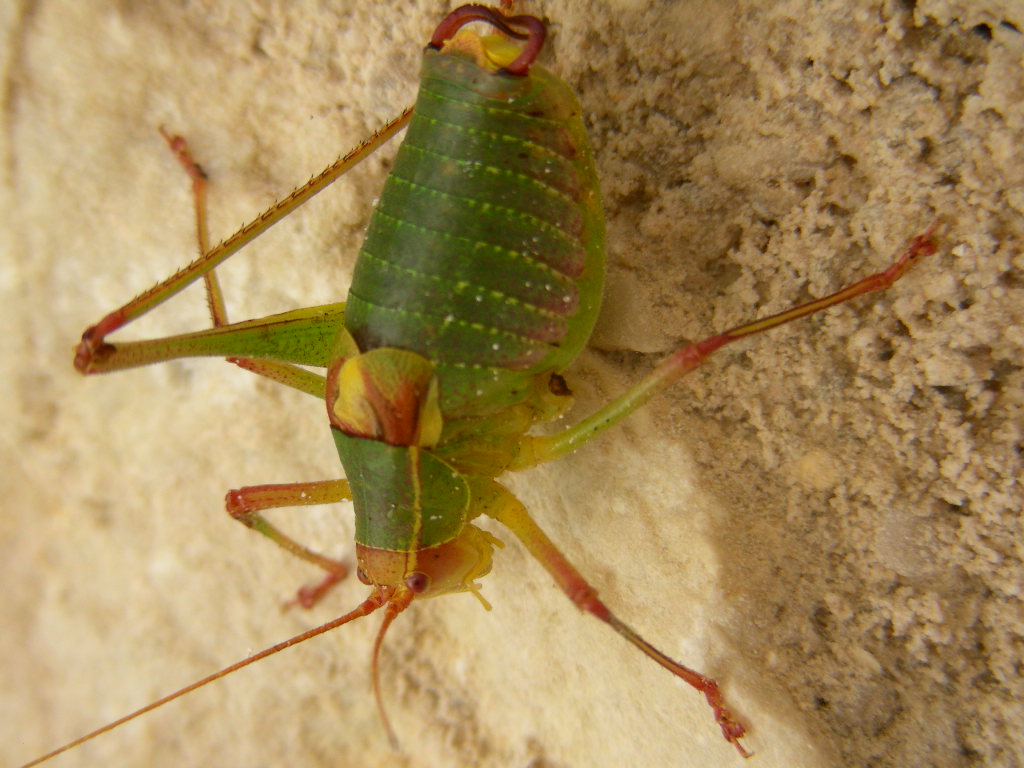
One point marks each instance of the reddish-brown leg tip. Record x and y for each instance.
(85, 351)
(312, 594)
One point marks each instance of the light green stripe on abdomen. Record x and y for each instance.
(475, 253)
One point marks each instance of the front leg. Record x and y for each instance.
(497, 502)
(246, 504)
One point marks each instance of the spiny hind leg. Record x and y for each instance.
(283, 373)
(94, 351)
(214, 295)
(247, 504)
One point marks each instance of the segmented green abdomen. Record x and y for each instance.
(485, 253)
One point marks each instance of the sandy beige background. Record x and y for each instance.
(827, 519)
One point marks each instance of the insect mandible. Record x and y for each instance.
(432, 386)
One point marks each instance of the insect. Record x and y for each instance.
(553, 388)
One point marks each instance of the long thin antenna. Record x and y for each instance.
(396, 605)
(372, 603)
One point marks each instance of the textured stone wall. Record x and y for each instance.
(826, 519)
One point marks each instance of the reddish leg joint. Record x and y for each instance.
(509, 511)
(246, 504)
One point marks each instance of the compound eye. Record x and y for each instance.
(361, 575)
(417, 582)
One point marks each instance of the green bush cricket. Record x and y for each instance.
(471, 458)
